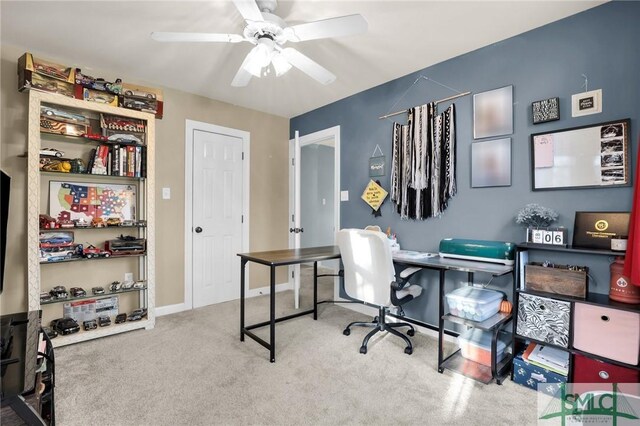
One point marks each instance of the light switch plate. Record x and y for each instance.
(128, 277)
(344, 195)
(166, 193)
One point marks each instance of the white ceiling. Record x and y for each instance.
(403, 37)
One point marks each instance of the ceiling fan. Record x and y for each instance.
(269, 33)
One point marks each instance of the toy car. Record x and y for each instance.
(65, 326)
(56, 239)
(83, 79)
(142, 312)
(51, 71)
(97, 290)
(89, 325)
(104, 321)
(51, 152)
(115, 88)
(94, 137)
(128, 223)
(98, 222)
(141, 93)
(139, 284)
(120, 318)
(77, 292)
(127, 285)
(66, 223)
(115, 286)
(45, 297)
(50, 332)
(97, 84)
(124, 138)
(93, 251)
(59, 292)
(81, 223)
(134, 317)
(60, 113)
(138, 104)
(55, 254)
(99, 98)
(114, 221)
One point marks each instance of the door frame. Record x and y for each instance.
(190, 127)
(310, 139)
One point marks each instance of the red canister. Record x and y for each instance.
(621, 289)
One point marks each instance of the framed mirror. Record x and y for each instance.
(592, 156)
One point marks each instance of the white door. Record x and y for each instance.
(314, 182)
(216, 217)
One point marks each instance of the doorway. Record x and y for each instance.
(216, 212)
(314, 195)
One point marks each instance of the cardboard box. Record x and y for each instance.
(595, 229)
(31, 80)
(107, 307)
(28, 62)
(137, 91)
(60, 128)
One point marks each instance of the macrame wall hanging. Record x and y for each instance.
(423, 166)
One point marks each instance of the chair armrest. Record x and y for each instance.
(406, 273)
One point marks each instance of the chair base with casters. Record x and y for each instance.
(399, 296)
(380, 324)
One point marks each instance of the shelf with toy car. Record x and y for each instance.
(92, 175)
(82, 335)
(67, 259)
(90, 295)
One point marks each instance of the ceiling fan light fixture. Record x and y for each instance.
(280, 64)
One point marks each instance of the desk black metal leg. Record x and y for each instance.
(315, 290)
(440, 320)
(272, 319)
(243, 264)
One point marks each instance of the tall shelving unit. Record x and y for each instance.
(37, 182)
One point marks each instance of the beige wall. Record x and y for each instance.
(268, 182)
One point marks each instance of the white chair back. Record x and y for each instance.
(368, 265)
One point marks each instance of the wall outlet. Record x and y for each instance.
(166, 193)
(344, 195)
(128, 277)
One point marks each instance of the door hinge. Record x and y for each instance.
(243, 155)
(293, 161)
(241, 218)
(293, 218)
(292, 274)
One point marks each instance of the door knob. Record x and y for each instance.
(198, 230)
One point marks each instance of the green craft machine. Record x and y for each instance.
(478, 250)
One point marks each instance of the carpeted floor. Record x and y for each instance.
(192, 369)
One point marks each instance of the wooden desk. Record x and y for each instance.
(273, 259)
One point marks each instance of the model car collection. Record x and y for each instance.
(92, 251)
(50, 332)
(97, 290)
(89, 325)
(104, 321)
(125, 138)
(77, 292)
(120, 318)
(114, 221)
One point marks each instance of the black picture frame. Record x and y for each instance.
(545, 110)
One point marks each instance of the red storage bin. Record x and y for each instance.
(610, 333)
(589, 370)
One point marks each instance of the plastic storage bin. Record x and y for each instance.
(472, 303)
(475, 344)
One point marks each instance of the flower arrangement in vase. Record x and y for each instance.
(535, 216)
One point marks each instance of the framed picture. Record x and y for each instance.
(376, 166)
(491, 163)
(586, 103)
(493, 113)
(87, 200)
(545, 110)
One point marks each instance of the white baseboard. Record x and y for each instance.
(179, 307)
(371, 311)
(170, 309)
(260, 291)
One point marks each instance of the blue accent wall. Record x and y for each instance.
(601, 43)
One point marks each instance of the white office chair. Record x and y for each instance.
(369, 276)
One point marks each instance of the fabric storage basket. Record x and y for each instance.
(532, 376)
(606, 332)
(475, 344)
(473, 303)
(545, 320)
(588, 370)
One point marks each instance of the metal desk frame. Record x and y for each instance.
(273, 259)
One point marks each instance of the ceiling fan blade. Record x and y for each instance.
(243, 76)
(332, 27)
(196, 37)
(308, 66)
(249, 10)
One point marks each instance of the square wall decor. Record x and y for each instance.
(493, 113)
(545, 110)
(586, 103)
(491, 163)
